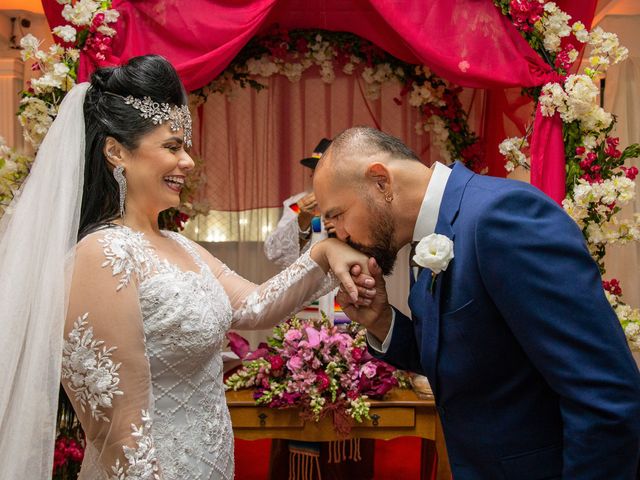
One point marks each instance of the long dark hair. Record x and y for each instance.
(106, 115)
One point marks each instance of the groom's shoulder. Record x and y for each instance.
(483, 188)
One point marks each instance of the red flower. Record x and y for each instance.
(96, 22)
(356, 354)
(597, 178)
(611, 148)
(630, 172)
(525, 13)
(276, 362)
(580, 150)
(612, 141)
(612, 286)
(75, 451)
(323, 380)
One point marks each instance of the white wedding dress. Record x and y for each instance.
(142, 355)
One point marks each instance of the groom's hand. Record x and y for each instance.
(341, 259)
(375, 317)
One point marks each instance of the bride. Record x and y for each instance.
(146, 310)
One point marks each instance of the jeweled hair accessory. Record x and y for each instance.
(178, 117)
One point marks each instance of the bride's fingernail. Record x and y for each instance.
(369, 282)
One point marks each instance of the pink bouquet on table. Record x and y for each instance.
(317, 367)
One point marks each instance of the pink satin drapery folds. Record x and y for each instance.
(468, 42)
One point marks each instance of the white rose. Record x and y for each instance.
(434, 252)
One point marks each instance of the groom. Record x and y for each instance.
(530, 369)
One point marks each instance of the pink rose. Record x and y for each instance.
(368, 370)
(295, 363)
(292, 335)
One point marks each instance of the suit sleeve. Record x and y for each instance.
(403, 351)
(536, 267)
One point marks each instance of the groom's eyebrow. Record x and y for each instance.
(332, 212)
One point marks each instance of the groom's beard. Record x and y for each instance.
(381, 247)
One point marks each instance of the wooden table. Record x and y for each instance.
(400, 414)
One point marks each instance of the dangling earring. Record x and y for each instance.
(388, 197)
(118, 174)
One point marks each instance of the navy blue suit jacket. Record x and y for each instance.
(530, 368)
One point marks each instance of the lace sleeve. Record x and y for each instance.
(105, 370)
(263, 306)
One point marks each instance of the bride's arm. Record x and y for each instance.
(105, 369)
(262, 306)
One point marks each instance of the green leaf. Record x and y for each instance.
(632, 151)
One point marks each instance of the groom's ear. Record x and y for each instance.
(379, 174)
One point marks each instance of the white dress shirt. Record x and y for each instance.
(425, 225)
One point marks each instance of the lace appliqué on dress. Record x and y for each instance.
(127, 254)
(86, 364)
(277, 287)
(141, 461)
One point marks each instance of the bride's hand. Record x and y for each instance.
(340, 257)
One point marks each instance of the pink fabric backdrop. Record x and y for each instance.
(468, 42)
(277, 126)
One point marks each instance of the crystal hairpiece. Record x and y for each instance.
(178, 117)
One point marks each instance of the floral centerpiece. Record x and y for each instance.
(316, 367)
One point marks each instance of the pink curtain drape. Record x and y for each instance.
(253, 143)
(468, 42)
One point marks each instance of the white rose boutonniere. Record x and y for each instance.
(434, 252)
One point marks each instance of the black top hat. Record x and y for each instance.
(312, 161)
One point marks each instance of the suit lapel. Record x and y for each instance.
(430, 331)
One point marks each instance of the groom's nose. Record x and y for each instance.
(341, 233)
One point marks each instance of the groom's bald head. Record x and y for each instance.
(354, 149)
(356, 182)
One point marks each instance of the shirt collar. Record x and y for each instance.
(430, 208)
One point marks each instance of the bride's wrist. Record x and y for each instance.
(318, 253)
